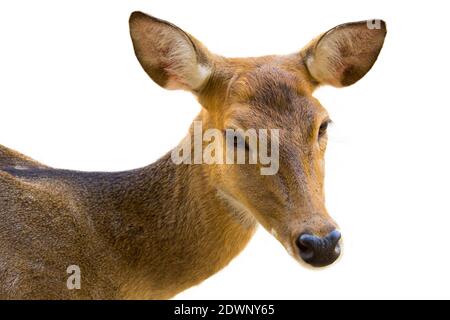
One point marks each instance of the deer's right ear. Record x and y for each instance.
(170, 56)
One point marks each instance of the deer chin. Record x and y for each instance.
(290, 249)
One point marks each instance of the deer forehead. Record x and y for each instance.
(271, 97)
(267, 78)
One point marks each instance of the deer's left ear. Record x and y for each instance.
(343, 55)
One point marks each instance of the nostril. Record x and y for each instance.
(306, 244)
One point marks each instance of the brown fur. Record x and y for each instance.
(154, 232)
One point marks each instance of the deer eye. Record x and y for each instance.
(244, 143)
(323, 128)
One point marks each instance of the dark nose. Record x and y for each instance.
(319, 252)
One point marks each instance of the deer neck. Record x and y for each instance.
(181, 227)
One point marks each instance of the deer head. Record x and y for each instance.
(271, 92)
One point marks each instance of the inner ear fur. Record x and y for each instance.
(170, 56)
(344, 54)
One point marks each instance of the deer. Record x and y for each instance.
(153, 232)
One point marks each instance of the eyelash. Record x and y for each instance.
(245, 144)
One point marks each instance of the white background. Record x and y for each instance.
(72, 95)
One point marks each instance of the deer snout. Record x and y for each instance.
(319, 252)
